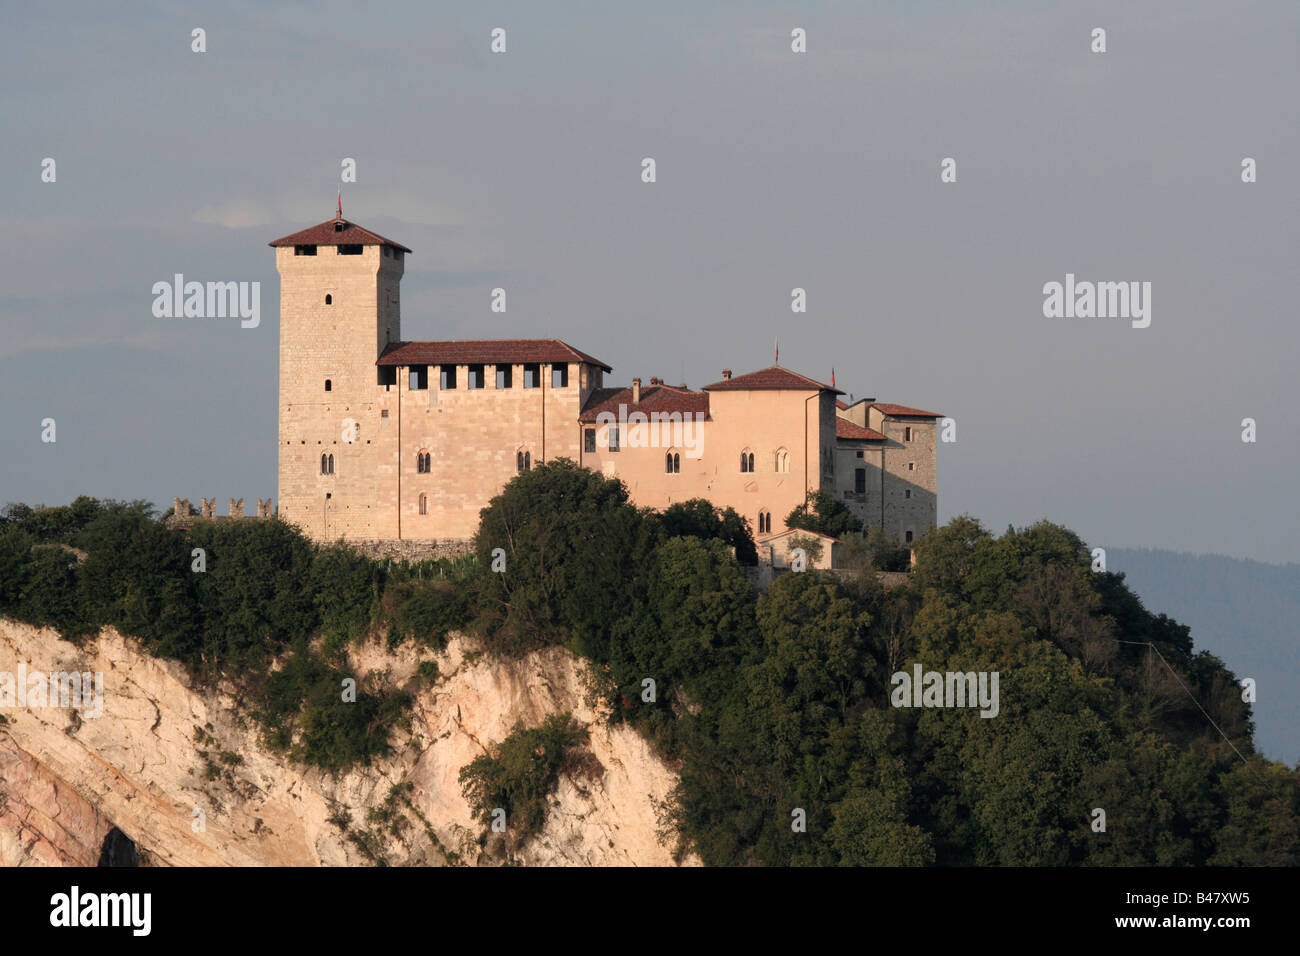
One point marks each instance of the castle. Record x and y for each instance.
(385, 440)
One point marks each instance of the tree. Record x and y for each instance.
(698, 518)
(823, 513)
(573, 547)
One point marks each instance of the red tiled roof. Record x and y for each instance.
(903, 410)
(774, 377)
(847, 429)
(654, 398)
(324, 234)
(486, 352)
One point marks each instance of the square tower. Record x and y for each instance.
(340, 307)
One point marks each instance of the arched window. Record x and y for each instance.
(424, 504)
(331, 471)
(422, 462)
(747, 460)
(764, 522)
(324, 465)
(673, 463)
(782, 461)
(329, 300)
(329, 386)
(523, 460)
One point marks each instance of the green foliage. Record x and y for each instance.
(824, 513)
(698, 518)
(573, 546)
(521, 771)
(425, 611)
(304, 712)
(766, 704)
(346, 588)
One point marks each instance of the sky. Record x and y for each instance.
(775, 170)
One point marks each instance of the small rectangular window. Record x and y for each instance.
(613, 437)
(909, 537)
(559, 376)
(532, 376)
(907, 434)
(860, 481)
(448, 379)
(504, 376)
(388, 375)
(304, 250)
(911, 466)
(589, 439)
(907, 493)
(350, 250)
(419, 379)
(476, 376)
(857, 454)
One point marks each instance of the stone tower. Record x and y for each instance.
(340, 307)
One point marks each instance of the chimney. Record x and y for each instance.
(726, 374)
(636, 390)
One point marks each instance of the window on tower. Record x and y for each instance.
(559, 376)
(329, 299)
(448, 377)
(304, 250)
(350, 249)
(329, 386)
(476, 376)
(419, 378)
(589, 439)
(503, 376)
(532, 376)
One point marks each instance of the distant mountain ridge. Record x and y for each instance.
(1245, 612)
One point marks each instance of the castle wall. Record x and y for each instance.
(473, 437)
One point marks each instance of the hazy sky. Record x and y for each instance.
(775, 170)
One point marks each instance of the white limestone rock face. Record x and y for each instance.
(183, 772)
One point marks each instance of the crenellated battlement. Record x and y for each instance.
(183, 516)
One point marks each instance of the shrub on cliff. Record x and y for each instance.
(425, 611)
(521, 771)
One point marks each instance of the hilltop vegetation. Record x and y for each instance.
(775, 707)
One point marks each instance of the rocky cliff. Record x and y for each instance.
(182, 771)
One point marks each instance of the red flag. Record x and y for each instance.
(832, 376)
(340, 202)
